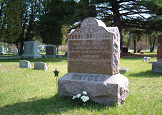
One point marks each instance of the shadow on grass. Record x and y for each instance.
(55, 105)
(148, 74)
(35, 60)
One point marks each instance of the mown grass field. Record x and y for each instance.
(25, 91)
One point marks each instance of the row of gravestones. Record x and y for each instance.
(37, 65)
(2, 51)
(31, 51)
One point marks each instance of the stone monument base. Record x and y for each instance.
(103, 89)
(30, 56)
(49, 56)
(157, 66)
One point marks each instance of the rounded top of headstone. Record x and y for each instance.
(72, 31)
(92, 22)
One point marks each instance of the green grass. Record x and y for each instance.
(60, 53)
(10, 54)
(27, 91)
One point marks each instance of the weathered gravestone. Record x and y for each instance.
(24, 64)
(1, 50)
(93, 64)
(157, 65)
(40, 65)
(50, 51)
(15, 51)
(31, 50)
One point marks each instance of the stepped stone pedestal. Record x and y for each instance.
(103, 89)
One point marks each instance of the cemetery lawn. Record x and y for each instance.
(27, 91)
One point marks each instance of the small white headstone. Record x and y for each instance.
(123, 70)
(1, 50)
(40, 65)
(24, 64)
(15, 51)
(146, 58)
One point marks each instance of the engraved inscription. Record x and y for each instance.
(88, 77)
(90, 56)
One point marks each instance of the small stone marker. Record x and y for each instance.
(125, 49)
(31, 50)
(15, 51)
(2, 50)
(123, 70)
(157, 65)
(40, 65)
(24, 64)
(93, 64)
(146, 58)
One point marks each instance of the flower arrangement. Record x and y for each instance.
(83, 96)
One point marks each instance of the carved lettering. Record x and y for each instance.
(85, 76)
(96, 77)
(79, 77)
(102, 78)
(74, 76)
(88, 77)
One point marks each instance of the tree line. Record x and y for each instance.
(50, 21)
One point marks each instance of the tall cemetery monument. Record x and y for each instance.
(157, 65)
(93, 64)
(31, 50)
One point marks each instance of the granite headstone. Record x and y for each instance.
(31, 50)
(40, 65)
(157, 65)
(50, 51)
(24, 64)
(93, 64)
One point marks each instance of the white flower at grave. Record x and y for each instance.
(85, 98)
(78, 95)
(84, 92)
(74, 97)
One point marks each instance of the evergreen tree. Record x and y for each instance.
(29, 10)
(129, 14)
(10, 21)
(57, 13)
